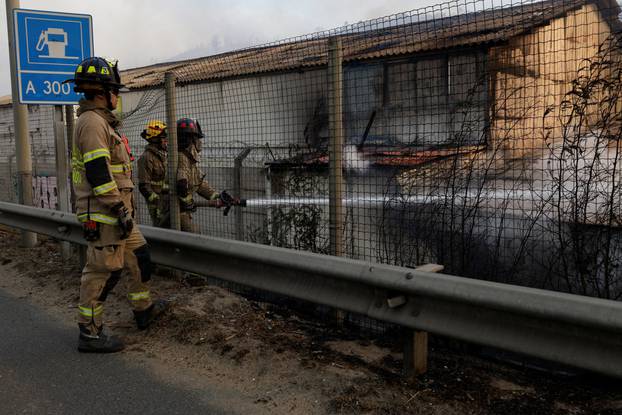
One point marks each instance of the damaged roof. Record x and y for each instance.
(416, 33)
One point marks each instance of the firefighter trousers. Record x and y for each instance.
(106, 258)
(159, 211)
(186, 223)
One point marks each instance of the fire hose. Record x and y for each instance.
(224, 200)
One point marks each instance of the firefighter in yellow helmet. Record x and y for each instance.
(152, 178)
(102, 183)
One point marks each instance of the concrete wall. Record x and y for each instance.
(40, 123)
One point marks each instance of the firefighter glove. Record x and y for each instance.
(188, 205)
(153, 198)
(155, 212)
(126, 223)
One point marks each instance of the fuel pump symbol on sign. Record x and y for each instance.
(56, 41)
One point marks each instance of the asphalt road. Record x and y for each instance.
(41, 372)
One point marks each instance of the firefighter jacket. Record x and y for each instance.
(101, 165)
(191, 180)
(152, 172)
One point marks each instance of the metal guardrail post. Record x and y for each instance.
(171, 122)
(22, 138)
(415, 341)
(335, 152)
(415, 353)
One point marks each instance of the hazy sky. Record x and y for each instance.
(142, 32)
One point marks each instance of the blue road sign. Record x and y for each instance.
(49, 47)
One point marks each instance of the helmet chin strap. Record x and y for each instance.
(109, 99)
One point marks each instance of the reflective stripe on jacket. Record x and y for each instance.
(101, 165)
(190, 179)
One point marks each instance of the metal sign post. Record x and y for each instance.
(22, 139)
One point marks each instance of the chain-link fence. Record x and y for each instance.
(483, 136)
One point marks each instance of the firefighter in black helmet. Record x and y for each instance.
(97, 75)
(102, 183)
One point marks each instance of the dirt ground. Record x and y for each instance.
(289, 363)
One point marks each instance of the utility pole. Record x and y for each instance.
(22, 137)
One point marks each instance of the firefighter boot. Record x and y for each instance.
(146, 317)
(98, 342)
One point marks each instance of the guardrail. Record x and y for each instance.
(575, 330)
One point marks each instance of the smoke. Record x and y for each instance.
(353, 160)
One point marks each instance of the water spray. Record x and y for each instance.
(370, 201)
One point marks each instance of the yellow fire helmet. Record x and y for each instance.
(155, 129)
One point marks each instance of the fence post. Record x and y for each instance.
(335, 151)
(22, 137)
(69, 122)
(62, 170)
(171, 122)
(237, 192)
